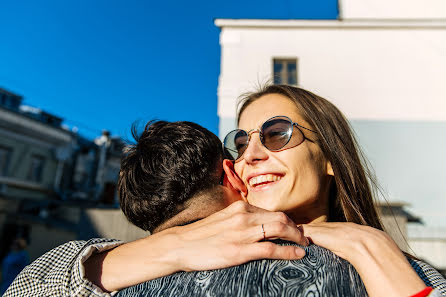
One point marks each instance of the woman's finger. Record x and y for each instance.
(347, 240)
(274, 230)
(269, 250)
(327, 237)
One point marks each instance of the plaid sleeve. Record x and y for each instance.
(435, 293)
(60, 272)
(430, 276)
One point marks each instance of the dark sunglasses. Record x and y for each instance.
(275, 134)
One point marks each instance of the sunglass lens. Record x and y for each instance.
(276, 133)
(235, 144)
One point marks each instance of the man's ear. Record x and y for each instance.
(329, 169)
(232, 180)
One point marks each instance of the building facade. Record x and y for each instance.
(55, 185)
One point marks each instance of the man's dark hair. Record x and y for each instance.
(170, 163)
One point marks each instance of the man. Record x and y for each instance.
(170, 177)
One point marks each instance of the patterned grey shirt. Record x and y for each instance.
(319, 273)
(60, 272)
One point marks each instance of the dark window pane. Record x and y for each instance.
(36, 169)
(278, 68)
(277, 80)
(5, 156)
(292, 73)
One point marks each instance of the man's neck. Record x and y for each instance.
(198, 207)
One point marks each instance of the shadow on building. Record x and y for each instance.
(55, 185)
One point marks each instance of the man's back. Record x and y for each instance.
(319, 273)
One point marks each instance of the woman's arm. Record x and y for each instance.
(227, 238)
(382, 266)
(59, 271)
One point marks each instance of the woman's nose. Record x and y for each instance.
(255, 151)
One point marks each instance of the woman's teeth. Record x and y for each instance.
(257, 180)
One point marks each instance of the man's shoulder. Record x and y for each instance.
(320, 273)
(59, 270)
(65, 254)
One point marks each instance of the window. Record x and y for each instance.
(36, 168)
(285, 71)
(5, 157)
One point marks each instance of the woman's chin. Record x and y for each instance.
(267, 202)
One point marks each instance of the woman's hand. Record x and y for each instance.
(233, 236)
(382, 266)
(227, 238)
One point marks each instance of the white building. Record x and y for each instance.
(383, 63)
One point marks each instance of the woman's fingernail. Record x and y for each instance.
(299, 252)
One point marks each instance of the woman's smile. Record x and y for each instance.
(260, 182)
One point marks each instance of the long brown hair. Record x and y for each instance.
(351, 195)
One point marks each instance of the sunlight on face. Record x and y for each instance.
(293, 180)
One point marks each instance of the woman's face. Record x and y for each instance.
(297, 179)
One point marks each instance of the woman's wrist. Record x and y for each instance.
(384, 268)
(134, 262)
(423, 293)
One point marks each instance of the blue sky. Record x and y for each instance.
(105, 64)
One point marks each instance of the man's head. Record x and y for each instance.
(171, 175)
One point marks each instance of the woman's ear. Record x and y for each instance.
(329, 169)
(232, 180)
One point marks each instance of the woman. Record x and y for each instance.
(305, 162)
(296, 154)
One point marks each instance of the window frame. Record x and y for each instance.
(284, 73)
(31, 176)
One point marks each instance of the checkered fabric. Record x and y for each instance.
(435, 293)
(430, 276)
(60, 272)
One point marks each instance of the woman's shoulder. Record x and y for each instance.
(429, 275)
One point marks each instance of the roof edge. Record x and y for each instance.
(351, 23)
